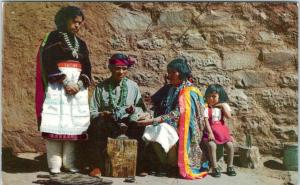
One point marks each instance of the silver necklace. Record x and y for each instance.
(73, 49)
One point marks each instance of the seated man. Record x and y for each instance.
(114, 107)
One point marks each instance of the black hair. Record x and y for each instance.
(180, 65)
(216, 88)
(120, 56)
(65, 14)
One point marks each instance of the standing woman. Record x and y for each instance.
(182, 116)
(62, 78)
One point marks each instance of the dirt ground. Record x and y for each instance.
(24, 168)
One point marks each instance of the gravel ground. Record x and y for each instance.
(25, 168)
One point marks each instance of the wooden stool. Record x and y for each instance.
(121, 157)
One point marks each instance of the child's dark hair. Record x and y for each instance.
(223, 97)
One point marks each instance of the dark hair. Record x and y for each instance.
(180, 65)
(216, 88)
(65, 14)
(119, 56)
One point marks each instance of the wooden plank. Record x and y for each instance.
(121, 157)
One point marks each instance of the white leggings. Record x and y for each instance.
(60, 153)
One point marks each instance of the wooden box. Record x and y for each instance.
(121, 157)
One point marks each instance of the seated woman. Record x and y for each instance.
(182, 121)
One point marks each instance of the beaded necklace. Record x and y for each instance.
(173, 96)
(123, 94)
(76, 44)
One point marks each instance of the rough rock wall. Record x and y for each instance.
(250, 48)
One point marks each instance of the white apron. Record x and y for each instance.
(62, 113)
(163, 133)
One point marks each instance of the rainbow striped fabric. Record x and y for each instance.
(187, 125)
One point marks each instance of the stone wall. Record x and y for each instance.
(249, 48)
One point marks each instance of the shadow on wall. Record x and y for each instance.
(13, 164)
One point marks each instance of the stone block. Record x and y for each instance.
(22, 142)
(286, 119)
(278, 101)
(227, 38)
(257, 123)
(254, 79)
(279, 60)
(204, 59)
(119, 42)
(179, 18)
(194, 40)
(155, 62)
(125, 20)
(214, 18)
(173, 34)
(211, 78)
(286, 133)
(220, 21)
(234, 38)
(269, 38)
(240, 60)
(250, 157)
(251, 13)
(289, 80)
(146, 78)
(151, 43)
(239, 99)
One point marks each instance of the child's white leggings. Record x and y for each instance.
(60, 153)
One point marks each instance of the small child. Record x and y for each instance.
(217, 132)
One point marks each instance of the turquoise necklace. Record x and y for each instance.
(123, 94)
(173, 96)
